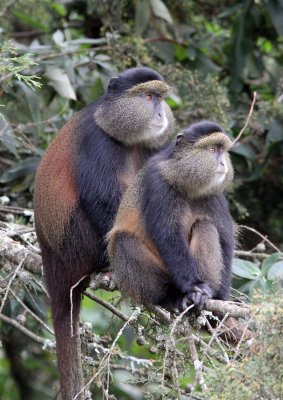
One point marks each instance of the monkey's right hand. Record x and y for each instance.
(199, 295)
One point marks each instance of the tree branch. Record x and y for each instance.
(247, 121)
(21, 328)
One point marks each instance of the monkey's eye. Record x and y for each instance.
(212, 150)
(221, 149)
(149, 97)
(160, 98)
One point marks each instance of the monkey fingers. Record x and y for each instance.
(185, 303)
(200, 295)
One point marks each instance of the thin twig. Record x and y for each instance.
(176, 376)
(71, 301)
(243, 335)
(21, 328)
(10, 283)
(214, 336)
(262, 236)
(31, 312)
(197, 364)
(106, 305)
(243, 253)
(211, 352)
(247, 121)
(168, 341)
(107, 356)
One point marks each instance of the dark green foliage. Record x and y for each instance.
(214, 55)
(257, 374)
(251, 276)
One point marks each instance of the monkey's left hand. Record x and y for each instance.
(199, 296)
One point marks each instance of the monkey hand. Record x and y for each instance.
(199, 295)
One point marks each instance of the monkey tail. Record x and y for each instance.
(65, 298)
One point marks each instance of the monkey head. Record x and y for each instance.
(134, 110)
(200, 164)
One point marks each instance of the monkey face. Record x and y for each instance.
(139, 116)
(218, 152)
(199, 168)
(157, 121)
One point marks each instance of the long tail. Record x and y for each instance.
(65, 315)
(68, 347)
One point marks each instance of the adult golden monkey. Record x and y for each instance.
(78, 188)
(173, 238)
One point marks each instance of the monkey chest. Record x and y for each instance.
(135, 158)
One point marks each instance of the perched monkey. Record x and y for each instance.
(78, 187)
(172, 241)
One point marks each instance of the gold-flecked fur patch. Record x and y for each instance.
(214, 138)
(151, 86)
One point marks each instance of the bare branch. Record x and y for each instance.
(224, 307)
(10, 283)
(32, 313)
(262, 236)
(197, 365)
(15, 252)
(107, 305)
(105, 360)
(21, 328)
(247, 121)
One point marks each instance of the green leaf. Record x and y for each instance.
(142, 16)
(275, 133)
(268, 262)
(58, 36)
(276, 271)
(60, 8)
(246, 287)
(160, 10)
(7, 137)
(181, 53)
(20, 169)
(257, 284)
(60, 81)
(245, 269)
(229, 11)
(32, 100)
(30, 21)
(244, 150)
(174, 101)
(275, 10)
(242, 45)
(191, 51)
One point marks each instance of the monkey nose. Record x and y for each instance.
(160, 115)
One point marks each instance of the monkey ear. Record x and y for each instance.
(179, 137)
(113, 84)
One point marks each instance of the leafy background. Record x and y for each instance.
(57, 57)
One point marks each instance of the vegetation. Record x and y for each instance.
(55, 58)
(257, 373)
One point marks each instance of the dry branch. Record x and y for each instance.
(247, 121)
(21, 328)
(13, 251)
(233, 309)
